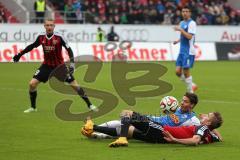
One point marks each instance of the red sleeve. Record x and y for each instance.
(206, 135)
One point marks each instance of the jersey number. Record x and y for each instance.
(36, 73)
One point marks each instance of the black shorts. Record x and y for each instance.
(147, 130)
(45, 72)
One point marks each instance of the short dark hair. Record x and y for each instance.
(216, 121)
(192, 97)
(186, 7)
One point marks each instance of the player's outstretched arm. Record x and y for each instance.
(17, 57)
(195, 140)
(215, 131)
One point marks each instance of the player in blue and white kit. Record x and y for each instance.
(187, 51)
(184, 116)
(179, 118)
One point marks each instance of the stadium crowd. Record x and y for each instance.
(3, 18)
(205, 12)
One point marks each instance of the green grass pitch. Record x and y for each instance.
(42, 136)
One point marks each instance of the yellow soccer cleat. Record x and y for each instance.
(120, 142)
(88, 125)
(87, 129)
(87, 133)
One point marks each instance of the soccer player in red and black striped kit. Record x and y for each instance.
(146, 130)
(52, 44)
(140, 127)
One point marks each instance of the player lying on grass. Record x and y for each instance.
(52, 43)
(183, 116)
(142, 128)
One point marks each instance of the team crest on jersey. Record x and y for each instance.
(174, 118)
(55, 42)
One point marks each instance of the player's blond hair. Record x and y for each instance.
(48, 19)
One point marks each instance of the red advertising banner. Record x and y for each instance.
(138, 51)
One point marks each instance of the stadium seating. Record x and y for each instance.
(166, 12)
(205, 12)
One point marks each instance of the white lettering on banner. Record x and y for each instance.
(138, 52)
(135, 33)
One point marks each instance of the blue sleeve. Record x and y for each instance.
(163, 120)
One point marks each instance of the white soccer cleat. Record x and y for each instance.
(98, 135)
(93, 108)
(30, 110)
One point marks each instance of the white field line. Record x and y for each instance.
(220, 90)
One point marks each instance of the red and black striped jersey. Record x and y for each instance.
(183, 132)
(52, 48)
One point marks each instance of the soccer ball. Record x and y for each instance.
(169, 104)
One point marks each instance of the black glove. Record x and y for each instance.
(17, 57)
(71, 68)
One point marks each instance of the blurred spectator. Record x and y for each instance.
(177, 17)
(112, 36)
(59, 4)
(205, 12)
(123, 19)
(202, 19)
(3, 18)
(76, 5)
(69, 12)
(39, 8)
(152, 11)
(168, 17)
(101, 8)
(160, 10)
(100, 37)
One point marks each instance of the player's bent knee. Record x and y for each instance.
(33, 84)
(130, 131)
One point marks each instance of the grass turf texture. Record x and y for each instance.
(42, 135)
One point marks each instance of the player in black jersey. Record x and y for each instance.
(52, 44)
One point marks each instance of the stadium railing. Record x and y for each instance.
(58, 16)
